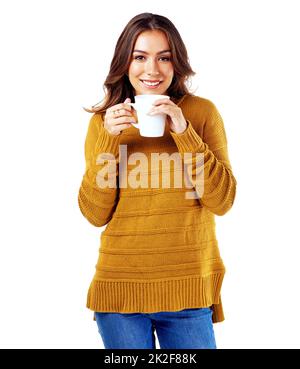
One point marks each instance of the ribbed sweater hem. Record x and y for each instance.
(123, 296)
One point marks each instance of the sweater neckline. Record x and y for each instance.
(181, 99)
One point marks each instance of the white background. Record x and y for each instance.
(55, 56)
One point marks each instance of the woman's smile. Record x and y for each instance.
(151, 85)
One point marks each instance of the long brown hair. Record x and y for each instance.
(117, 86)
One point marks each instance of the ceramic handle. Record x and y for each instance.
(134, 124)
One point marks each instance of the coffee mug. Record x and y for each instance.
(149, 125)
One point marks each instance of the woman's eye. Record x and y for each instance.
(141, 56)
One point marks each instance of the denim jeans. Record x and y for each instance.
(184, 329)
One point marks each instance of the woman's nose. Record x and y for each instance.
(151, 67)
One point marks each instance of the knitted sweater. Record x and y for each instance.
(159, 250)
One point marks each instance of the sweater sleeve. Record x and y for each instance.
(96, 201)
(218, 189)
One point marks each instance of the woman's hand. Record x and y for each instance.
(118, 117)
(175, 117)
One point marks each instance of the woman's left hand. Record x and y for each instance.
(175, 117)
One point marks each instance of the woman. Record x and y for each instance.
(159, 266)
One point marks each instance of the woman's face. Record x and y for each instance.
(152, 63)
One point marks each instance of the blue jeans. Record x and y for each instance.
(184, 329)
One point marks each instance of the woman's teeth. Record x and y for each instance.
(151, 84)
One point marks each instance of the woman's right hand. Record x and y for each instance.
(119, 117)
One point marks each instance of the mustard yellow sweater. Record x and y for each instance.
(159, 250)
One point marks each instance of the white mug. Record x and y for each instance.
(149, 125)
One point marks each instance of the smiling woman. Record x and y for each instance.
(152, 51)
(159, 264)
(153, 70)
